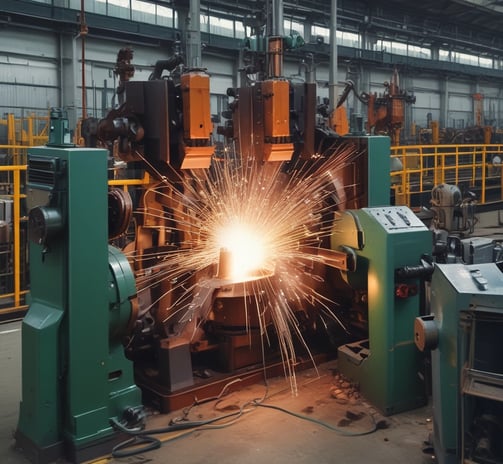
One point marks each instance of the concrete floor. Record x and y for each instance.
(260, 434)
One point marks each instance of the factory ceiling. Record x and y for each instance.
(485, 14)
(471, 25)
(461, 25)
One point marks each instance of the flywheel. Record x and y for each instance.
(120, 211)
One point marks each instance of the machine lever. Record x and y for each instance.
(423, 270)
(479, 279)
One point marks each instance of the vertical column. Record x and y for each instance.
(69, 84)
(444, 102)
(332, 78)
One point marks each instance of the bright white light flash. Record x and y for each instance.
(247, 247)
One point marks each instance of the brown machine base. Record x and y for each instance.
(165, 401)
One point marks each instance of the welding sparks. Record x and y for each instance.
(263, 218)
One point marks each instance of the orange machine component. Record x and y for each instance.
(386, 113)
(478, 108)
(197, 125)
(277, 144)
(435, 132)
(488, 134)
(339, 121)
(196, 105)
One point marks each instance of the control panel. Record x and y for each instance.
(395, 218)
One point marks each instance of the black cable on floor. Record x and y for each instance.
(319, 422)
(151, 443)
(144, 437)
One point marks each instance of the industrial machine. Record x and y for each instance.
(172, 310)
(83, 299)
(156, 122)
(463, 333)
(453, 223)
(453, 211)
(386, 112)
(387, 294)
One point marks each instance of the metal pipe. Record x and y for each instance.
(275, 39)
(309, 68)
(332, 77)
(17, 235)
(61, 96)
(193, 35)
(275, 53)
(83, 33)
(277, 25)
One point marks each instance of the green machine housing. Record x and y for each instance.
(366, 179)
(389, 243)
(464, 333)
(75, 377)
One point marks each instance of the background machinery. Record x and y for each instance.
(386, 112)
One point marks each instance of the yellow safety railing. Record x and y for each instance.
(416, 169)
(13, 302)
(14, 252)
(27, 131)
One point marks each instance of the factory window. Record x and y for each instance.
(221, 26)
(204, 22)
(136, 10)
(466, 58)
(119, 8)
(142, 11)
(165, 16)
(399, 48)
(98, 7)
(444, 55)
(485, 62)
(388, 46)
(419, 52)
(349, 39)
(289, 26)
(384, 46)
(239, 30)
(322, 32)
